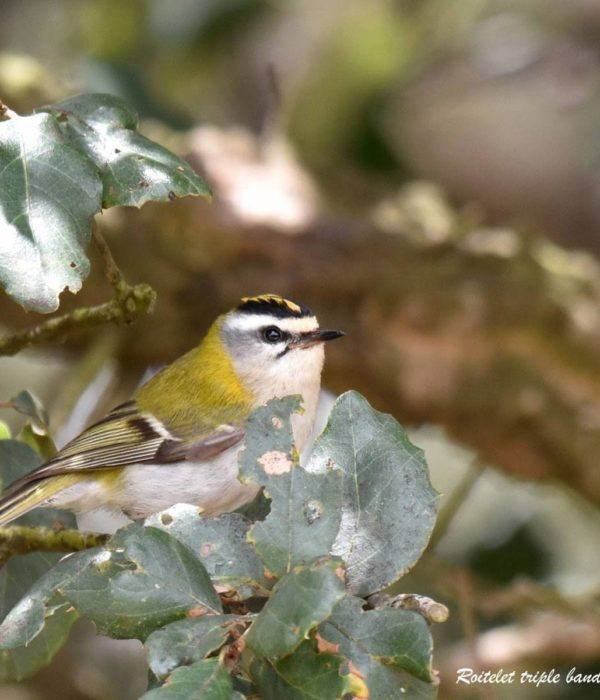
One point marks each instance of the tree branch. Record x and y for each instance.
(430, 609)
(19, 539)
(129, 302)
(133, 301)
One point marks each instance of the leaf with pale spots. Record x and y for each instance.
(301, 600)
(389, 506)
(305, 508)
(389, 648)
(221, 545)
(185, 641)
(142, 579)
(133, 169)
(203, 680)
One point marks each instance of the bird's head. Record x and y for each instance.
(275, 344)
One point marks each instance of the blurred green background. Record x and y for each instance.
(455, 129)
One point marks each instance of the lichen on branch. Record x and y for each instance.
(20, 539)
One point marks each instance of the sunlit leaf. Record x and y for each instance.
(49, 193)
(389, 506)
(133, 168)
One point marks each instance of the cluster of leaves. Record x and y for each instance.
(239, 605)
(60, 167)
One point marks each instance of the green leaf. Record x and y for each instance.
(300, 601)
(35, 433)
(39, 624)
(204, 680)
(49, 193)
(141, 580)
(221, 545)
(304, 675)
(29, 405)
(22, 572)
(389, 506)
(26, 619)
(185, 641)
(24, 661)
(391, 648)
(39, 441)
(5, 433)
(134, 170)
(305, 508)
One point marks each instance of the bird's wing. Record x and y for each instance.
(130, 436)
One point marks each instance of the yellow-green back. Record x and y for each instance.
(199, 391)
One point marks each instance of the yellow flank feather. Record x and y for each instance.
(36, 493)
(199, 390)
(33, 495)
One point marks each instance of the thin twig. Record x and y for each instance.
(19, 539)
(128, 303)
(113, 273)
(430, 609)
(137, 300)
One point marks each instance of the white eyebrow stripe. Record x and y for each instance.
(247, 322)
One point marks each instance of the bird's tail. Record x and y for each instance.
(17, 502)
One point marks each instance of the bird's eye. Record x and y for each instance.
(272, 334)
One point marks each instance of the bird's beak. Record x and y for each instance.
(305, 340)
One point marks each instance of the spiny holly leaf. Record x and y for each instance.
(204, 680)
(186, 641)
(49, 193)
(389, 506)
(305, 508)
(391, 648)
(20, 572)
(300, 601)
(134, 170)
(221, 545)
(141, 580)
(303, 675)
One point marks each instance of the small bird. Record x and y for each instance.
(177, 439)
